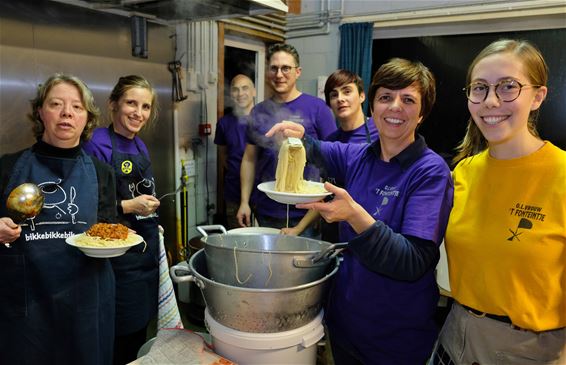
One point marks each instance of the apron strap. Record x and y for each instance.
(114, 145)
(22, 161)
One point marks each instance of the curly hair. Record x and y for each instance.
(93, 117)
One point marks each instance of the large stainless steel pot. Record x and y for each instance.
(256, 310)
(266, 260)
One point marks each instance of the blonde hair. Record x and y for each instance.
(537, 72)
(87, 100)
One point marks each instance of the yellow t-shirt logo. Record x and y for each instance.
(126, 167)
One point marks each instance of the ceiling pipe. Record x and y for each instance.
(307, 25)
(266, 23)
(279, 34)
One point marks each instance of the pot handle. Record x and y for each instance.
(321, 258)
(212, 227)
(174, 270)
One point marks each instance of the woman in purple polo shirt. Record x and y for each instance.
(393, 211)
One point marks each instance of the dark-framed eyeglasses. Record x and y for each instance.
(505, 90)
(284, 69)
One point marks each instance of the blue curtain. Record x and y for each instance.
(355, 52)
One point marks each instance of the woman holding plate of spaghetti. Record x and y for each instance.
(133, 106)
(56, 304)
(393, 212)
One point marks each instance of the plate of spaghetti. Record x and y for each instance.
(289, 186)
(105, 240)
(310, 191)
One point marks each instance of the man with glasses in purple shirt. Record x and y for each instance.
(260, 156)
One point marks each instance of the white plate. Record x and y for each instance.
(292, 198)
(254, 230)
(105, 251)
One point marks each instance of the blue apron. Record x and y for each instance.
(137, 272)
(56, 304)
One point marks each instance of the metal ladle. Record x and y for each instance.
(24, 202)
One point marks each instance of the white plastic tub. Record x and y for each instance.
(297, 346)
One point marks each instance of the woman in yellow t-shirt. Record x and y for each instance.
(506, 236)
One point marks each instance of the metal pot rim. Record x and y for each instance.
(322, 244)
(208, 281)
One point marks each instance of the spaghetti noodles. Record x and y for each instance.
(106, 235)
(290, 168)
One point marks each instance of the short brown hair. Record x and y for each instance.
(283, 47)
(399, 73)
(93, 113)
(340, 78)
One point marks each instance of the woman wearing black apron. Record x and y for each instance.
(132, 106)
(57, 304)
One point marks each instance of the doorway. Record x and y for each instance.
(240, 56)
(244, 56)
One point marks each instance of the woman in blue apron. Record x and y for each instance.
(57, 304)
(132, 106)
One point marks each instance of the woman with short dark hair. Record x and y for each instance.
(393, 211)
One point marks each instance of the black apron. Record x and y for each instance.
(56, 303)
(137, 271)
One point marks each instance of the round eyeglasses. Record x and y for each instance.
(284, 69)
(505, 90)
